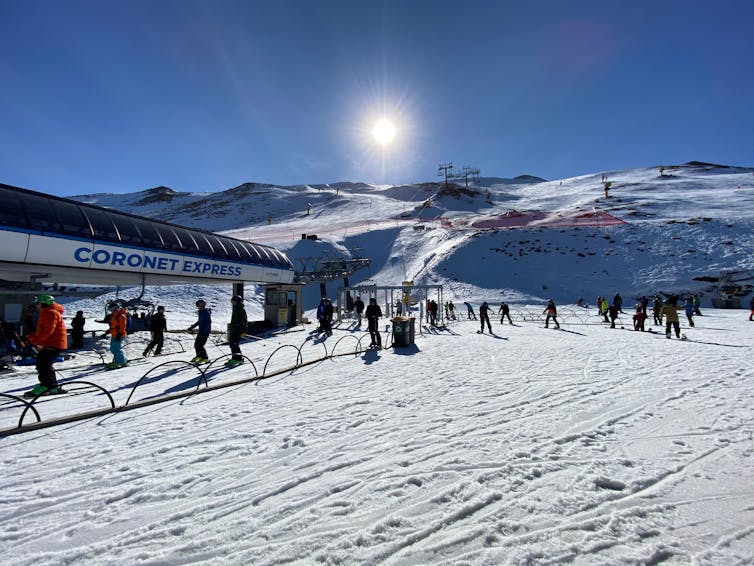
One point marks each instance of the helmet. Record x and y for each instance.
(201, 303)
(236, 299)
(44, 299)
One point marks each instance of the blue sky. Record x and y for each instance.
(101, 96)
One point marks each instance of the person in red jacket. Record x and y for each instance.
(118, 323)
(50, 338)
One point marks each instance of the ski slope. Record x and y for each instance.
(533, 446)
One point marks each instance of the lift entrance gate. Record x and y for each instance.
(394, 300)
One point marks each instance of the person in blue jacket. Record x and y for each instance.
(204, 322)
(688, 306)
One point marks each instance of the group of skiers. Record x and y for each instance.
(47, 335)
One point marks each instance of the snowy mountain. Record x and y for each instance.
(525, 445)
(655, 230)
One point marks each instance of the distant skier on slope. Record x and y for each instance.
(688, 306)
(504, 311)
(670, 312)
(373, 314)
(552, 313)
(484, 316)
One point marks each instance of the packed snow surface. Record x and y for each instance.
(584, 445)
(532, 445)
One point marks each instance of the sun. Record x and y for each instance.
(383, 131)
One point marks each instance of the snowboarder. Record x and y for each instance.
(157, 327)
(77, 330)
(504, 311)
(552, 312)
(373, 314)
(204, 322)
(236, 329)
(688, 306)
(670, 312)
(484, 316)
(118, 333)
(358, 307)
(50, 339)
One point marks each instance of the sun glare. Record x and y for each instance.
(384, 131)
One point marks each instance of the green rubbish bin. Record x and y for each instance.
(403, 331)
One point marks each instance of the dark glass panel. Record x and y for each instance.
(72, 220)
(150, 236)
(129, 234)
(171, 240)
(11, 212)
(205, 246)
(40, 213)
(102, 224)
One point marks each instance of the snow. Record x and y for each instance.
(587, 445)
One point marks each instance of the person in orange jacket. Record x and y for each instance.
(50, 338)
(118, 323)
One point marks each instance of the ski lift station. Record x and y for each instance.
(52, 240)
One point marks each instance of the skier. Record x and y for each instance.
(656, 308)
(504, 311)
(50, 338)
(157, 327)
(452, 310)
(329, 311)
(670, 312)
(697, 304)
(612, 312)
(77, 330)
(236, 329)
(644, 301)
(204, 322)
(640, 316)
(432, 312)
(358, 306)
(321, 314)
(373, 314)
(618, 302)
(484, 316)
(469, 311)
(688, 306)
(605, 308)
(751, 308)
(118, 324)
(552, 312)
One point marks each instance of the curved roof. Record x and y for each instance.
(29, 211)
